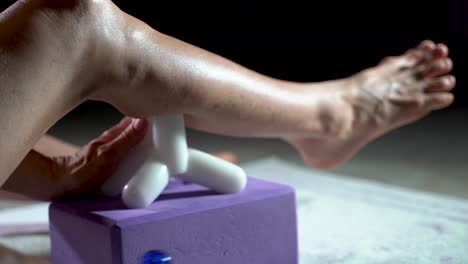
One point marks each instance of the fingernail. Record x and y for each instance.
(139, 124)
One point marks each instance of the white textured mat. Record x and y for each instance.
(24, 227)
(341, 220)
(344, 220)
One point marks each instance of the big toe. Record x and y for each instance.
(427, 45)
(425, 53)
(431, 51)
(409, 59)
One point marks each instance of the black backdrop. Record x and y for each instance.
(311, 40)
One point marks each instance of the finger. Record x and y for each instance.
(227, 156)
(125, 141)
(92, 148)
(100, 160)
(116, 130)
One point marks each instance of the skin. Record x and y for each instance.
(80, 173)
(67, 170)
(102, 53)
(54, 148)
(78, 50)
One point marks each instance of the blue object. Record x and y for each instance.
(155, 257)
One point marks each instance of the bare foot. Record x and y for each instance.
(373, 102)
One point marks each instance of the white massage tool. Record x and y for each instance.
(144, 174)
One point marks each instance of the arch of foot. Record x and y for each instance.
(163, 153)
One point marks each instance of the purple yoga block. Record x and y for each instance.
(188, 222)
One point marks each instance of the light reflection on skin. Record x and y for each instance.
(326, 122)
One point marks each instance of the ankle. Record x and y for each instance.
(334, 110)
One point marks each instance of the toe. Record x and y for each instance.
(441, 51)
(435, 68)
(436, 101)
(427, 45)
(428, 51)
(414, 56)
(409, 59)
(442, 84)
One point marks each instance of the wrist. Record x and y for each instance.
(33, 178)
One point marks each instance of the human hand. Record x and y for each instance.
(46, 177)
(43, 176)
(107, 157)
(85, 171)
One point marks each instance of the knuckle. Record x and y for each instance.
(106, 133)
(91, 151)
(108, 154)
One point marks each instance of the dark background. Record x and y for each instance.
(323, 40)
(312, 40)
(316, 41)
(309, 40)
